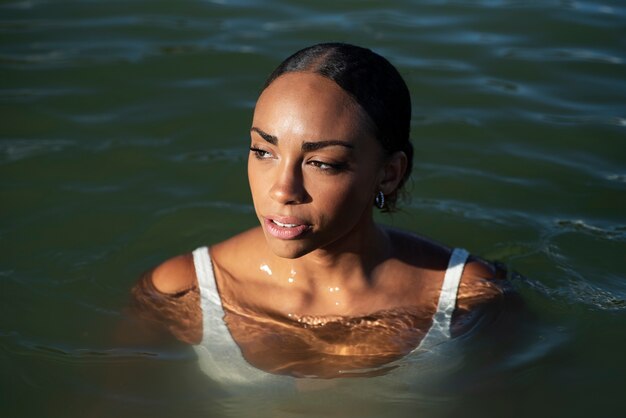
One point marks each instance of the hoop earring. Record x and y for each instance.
(379, 201)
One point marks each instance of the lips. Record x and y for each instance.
(282, 227)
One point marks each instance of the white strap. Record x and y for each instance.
(224, 351)
(219, 356)
(440, 329)
(205, 276)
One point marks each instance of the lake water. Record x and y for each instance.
(123, 136)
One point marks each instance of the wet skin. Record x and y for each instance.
(318, 264)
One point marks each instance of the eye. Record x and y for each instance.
(260, 154)
(328, 167)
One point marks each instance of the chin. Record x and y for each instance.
(288, 249)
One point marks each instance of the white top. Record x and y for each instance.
(221, 359)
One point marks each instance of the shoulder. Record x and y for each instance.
(419, 251)
(482, 284)
(167, 299)
(178, 274)
(175, 275)
(416, 249)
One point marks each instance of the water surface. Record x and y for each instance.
(123, 142)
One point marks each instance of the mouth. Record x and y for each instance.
(285, 228)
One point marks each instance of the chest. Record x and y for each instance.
(327, 346)
(290, 299)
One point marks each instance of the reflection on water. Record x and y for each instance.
(327, 346)
(123, 143)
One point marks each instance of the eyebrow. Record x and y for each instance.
(269, 138)
(306, 146)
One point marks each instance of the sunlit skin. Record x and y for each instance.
(331, 190)
(313, 163)
(313, 160)
(314, 168)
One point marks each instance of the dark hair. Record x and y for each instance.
(375, 85)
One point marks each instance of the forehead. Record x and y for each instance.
(310, 105)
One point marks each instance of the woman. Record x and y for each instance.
(319, 289)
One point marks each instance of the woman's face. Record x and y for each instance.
(314, 166)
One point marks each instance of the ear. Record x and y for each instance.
(392, 172)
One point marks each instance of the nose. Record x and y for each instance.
(288, 186)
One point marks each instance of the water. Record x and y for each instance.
(123, 141)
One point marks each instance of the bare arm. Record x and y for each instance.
(485, 295)
(163, 317)
(167, 299)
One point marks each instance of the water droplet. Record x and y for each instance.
(265, 268)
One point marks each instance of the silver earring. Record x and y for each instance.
(379, 201)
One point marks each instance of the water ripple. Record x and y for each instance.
(18, 149)
(66, 353)
(560, 54)
(580, 291)
(587, 7)
(442, 170)
(579, 119)
(473, 211)
(423, 63)
(20, 5)
(466, 37)
(620, 178)
(29, 94)
(611, 232)
(591, 165)
(230, 206)
(547, 225)
(235, 155)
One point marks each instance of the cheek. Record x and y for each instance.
(343, 198)
(255, 180)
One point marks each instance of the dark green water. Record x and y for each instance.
(123, 141)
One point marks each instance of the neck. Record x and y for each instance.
(346, 263)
